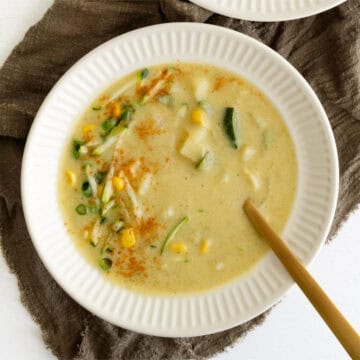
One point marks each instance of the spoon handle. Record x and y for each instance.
(341, 328)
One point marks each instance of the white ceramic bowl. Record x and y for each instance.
(268, 10)
(235, 302)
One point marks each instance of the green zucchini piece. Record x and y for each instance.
(173, 232)
(232, 126)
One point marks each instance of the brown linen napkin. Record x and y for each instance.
(324, 48)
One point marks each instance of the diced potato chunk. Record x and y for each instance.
(193, 147)
(201, 88)
(253, 179)
(247, 152)
(145, 184)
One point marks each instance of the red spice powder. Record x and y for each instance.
(148, 128)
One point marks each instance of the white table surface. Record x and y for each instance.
(293, 330)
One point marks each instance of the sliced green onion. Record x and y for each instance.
(143, 74)
(107, 249)
(100, 176)
(81, 209)
(165, 99)
(107, 191)
(173, 232)
(126, 114)
(205, 162)
(118, 225)
(105, 264)
(139, 103)
(83, 150)
(91, 178)
(95, 234)
(93, 209)
(107, 207)
(104, 146)
(118, 129)
(86, 189)
(76, 145)
(96, 108)
(205, 106)
(108, 125)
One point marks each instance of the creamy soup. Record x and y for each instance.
(154, 177)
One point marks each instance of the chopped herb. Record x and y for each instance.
(81, 209)
(143, 74)
(166, 100)
(201, 210)
(107, 249)
(107, 207)
(104, 146)
(108, 125)
(127, 114)
(186, 261)
(100, 176)
(92, 243)
(102, 220)
(153, 246)
(118, 225)
(86, 189)
(96, 108)
(93, 209)
(105, 264)
(173, 232)
(107, 191)
(76, 145)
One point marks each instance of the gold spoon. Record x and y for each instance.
(346, 334)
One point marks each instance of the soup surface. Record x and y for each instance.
(153, 180)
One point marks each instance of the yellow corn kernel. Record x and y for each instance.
(198, 116)
(127, 238)
(116, 110)
(88, 128)
(100, 190)
(179, 248)
(204, 247)
(118, 183)
(71, 177)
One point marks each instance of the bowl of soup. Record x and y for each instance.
(138, 164)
